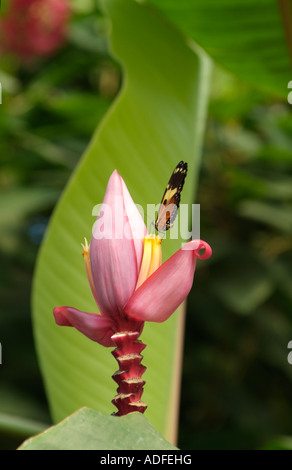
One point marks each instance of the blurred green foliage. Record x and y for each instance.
(49, 112)
(237, 381)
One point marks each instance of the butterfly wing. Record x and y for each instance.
(171, 198)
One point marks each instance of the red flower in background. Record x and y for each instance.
(34, 28)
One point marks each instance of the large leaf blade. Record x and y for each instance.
(91, 430)
(156, 121)
(246, 36)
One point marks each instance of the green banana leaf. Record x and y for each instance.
(250, 38)
(82, 431)
(156, 121)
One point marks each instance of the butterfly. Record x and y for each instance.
(171, 198)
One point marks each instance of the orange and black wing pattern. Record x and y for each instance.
(171, 198)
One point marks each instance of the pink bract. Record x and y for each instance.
(130, 286)
(113, 264)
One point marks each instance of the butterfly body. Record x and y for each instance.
(171, 198)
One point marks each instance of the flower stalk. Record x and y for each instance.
(129, 375)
